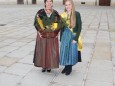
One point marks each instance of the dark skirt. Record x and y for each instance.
(79, 56)
(46, 53)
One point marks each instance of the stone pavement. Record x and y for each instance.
(17, 42)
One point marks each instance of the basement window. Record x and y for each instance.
(82, 2)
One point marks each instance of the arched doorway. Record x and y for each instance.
(20, 1)
(33, 1)
(104, 2)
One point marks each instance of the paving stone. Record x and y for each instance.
(25, 40)
(17, 54)
(91, 32)
(113, 41)
(31, 53)
(18, 44)
(85, 27)
(33, 36)
(101, 64)
(103, 40)
(2, 44)
(113, 54)
(86, 44)
(113, 59)
(102, 76)
(6, 61)
(9, 80)
(28, 59)
(86, 57)
(94, 27)
(101, 70)
(75, 78)
(112, 34)
(19, 69)
(102, 51)
(95, 83)
(112, 26)
(32, 43)
(87, 50)
(113, 49)
(89, 40)
(62, 84)
(102, 33)
(37, 78)
(104, 24)
(9, 40)
(27, 48)
(8, 48)
(81, 67)
(2, 68)
(103, 27)
(2, 54)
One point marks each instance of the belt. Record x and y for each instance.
(49, 35)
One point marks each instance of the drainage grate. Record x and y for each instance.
(2, 24)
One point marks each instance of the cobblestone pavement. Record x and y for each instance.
(17, 43)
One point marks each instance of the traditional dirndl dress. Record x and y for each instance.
(46, 53)
(68, 50)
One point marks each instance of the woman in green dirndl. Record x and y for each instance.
(69, 37)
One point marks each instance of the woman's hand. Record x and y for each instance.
(74, 41)
(39, 34)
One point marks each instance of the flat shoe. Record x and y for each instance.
(63, 71)
(48, 70)
(44, 69)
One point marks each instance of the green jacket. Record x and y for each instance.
(77, 28)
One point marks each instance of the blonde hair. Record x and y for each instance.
(73, 15)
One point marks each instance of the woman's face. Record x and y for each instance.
(49, 4)
(68, 6)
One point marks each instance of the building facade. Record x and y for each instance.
(77, 2)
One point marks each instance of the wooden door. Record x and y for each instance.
(20, 1)
(104, 2)
(63, 2)
(33, 1)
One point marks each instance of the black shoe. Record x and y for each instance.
(68, 72)
(48, 70)
(44, 69)
(64, 70)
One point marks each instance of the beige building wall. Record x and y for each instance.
(77, 2)
(8, 2)
(112, 2)
(85, 2)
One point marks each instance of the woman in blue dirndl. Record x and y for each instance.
(69, 37)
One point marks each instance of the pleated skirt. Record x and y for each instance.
(46, 53)
(68, 50)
